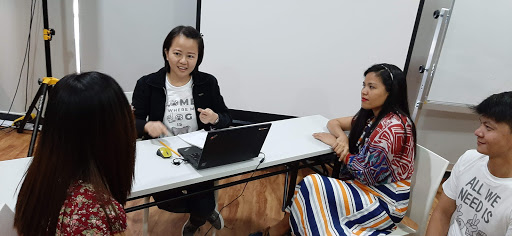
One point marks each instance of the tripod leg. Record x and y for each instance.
(44, 90)
(29, 111)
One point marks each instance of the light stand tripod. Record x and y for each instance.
(45, 84)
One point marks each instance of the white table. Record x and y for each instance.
(287, 141)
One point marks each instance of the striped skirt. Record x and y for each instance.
(328, 206)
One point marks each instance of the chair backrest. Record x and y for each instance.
(429, 169)
(129, 96)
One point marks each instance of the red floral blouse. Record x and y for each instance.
(81, 213)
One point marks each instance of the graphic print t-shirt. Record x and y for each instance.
(483, 200)
(180, 116)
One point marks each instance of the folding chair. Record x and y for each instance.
(129, 96)
(429, 169)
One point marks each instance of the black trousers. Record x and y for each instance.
(199, 206)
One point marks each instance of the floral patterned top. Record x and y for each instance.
(82, 214)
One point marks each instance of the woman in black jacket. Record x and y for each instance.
(180, 99)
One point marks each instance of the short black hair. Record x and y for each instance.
(189, 32)
(497, 107)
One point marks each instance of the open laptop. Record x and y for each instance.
(227, 146)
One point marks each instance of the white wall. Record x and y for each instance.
(448, 134)
(14, 22)
(124, 38)
(120, 38)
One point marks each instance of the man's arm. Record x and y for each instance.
(440, 220)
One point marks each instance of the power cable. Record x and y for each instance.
(27, 55)
(254, 171)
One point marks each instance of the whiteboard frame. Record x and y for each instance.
(433, 58)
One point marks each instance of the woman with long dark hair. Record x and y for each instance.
(372, 193)
(83, 166)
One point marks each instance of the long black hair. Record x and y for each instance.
(393, 79)
(88, 135)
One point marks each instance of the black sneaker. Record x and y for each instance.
(216, 219)
(189, 229)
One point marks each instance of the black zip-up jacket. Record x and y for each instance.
(150, 95)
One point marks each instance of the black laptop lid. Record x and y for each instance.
(233, 145)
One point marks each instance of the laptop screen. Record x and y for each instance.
(231, 145)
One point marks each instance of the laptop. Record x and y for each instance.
(227, 146)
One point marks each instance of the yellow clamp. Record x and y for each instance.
(50, 80)
(17, 122)
(47, 34)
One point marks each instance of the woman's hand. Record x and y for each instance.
(326, 138)
(155, 128)
(341, 147)
(338, 145)
(208, 116)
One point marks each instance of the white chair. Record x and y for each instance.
(129, 96)
(6, 221)
(429, 169)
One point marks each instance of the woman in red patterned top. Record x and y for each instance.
(378, 158)
(83, 166)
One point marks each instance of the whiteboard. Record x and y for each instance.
(301, 57)
(476, 58)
